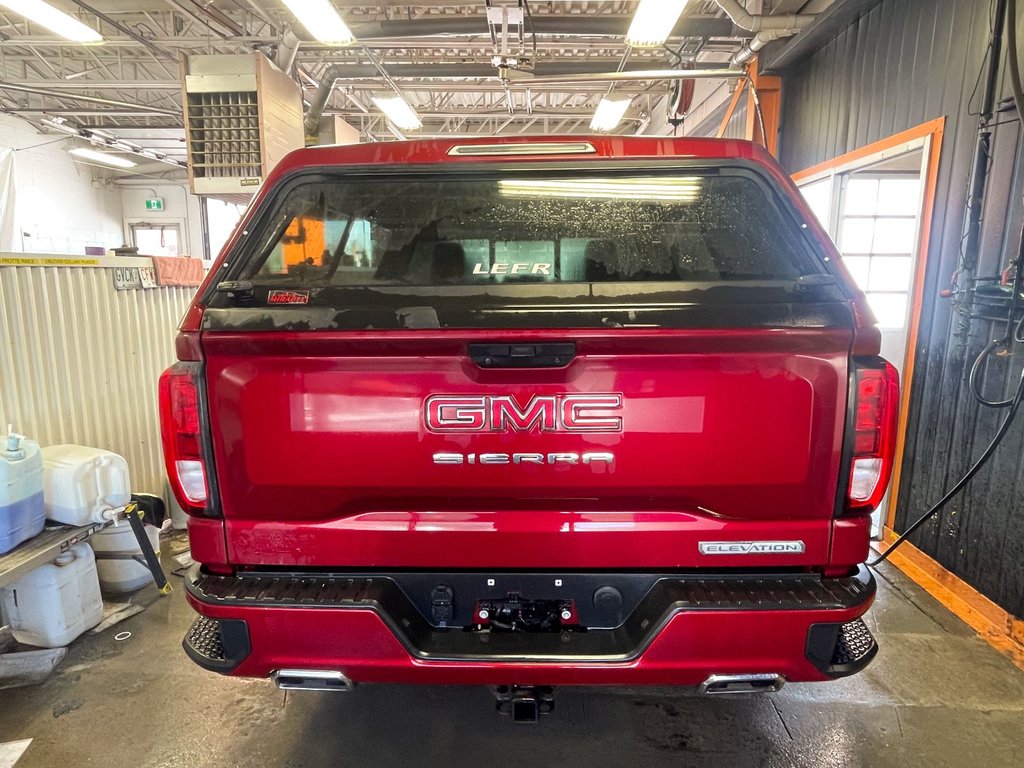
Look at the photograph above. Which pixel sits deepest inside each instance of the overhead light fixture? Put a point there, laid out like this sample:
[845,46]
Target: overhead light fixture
[398,111]
[106,140]
[609,113]
[58,22]
[102,157]
[322,20]
[653,22]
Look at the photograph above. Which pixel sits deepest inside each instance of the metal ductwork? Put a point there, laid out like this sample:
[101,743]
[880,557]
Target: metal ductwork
[287,51]
[765,28]
[755,23]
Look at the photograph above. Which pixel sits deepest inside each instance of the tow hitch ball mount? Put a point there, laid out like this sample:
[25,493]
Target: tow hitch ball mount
[525,703]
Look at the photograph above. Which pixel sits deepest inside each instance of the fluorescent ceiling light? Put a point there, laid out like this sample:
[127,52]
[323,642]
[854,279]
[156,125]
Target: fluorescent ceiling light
[102,157]
[683,189]
[653,22]
[609,114]
[58,22]
[321,20]
[398,112]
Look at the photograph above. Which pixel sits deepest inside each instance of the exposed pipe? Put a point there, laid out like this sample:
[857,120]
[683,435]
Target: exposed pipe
[756,43]
[287,51]
[765,28]
[983,145]
[578,26]
[318,101]
[89,99]
[756,23]
[636,74]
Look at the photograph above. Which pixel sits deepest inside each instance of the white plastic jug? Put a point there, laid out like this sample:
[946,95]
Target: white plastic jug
[179,520]
[83,485]
[55,603]
[118,575]
[21,491]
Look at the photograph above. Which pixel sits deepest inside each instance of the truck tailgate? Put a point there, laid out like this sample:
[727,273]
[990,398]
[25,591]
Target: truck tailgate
[327,454]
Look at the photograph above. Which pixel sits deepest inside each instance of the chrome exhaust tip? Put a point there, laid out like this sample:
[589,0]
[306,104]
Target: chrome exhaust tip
[717,685]
[311,680]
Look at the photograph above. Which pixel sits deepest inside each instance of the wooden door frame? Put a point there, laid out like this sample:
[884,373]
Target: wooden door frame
[929,137]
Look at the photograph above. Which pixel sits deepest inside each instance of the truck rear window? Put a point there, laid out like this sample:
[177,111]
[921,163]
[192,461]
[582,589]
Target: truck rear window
[715,225]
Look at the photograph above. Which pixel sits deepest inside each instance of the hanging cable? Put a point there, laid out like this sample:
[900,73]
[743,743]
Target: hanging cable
[757,108]
[972,379]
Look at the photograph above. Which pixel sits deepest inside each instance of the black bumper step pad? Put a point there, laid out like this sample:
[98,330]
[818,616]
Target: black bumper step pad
[840,650]
[382,594]
[205,639]
[854,644]
[734,593]
[219,645]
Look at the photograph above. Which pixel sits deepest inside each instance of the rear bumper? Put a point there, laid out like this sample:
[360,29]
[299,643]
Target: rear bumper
[684,630]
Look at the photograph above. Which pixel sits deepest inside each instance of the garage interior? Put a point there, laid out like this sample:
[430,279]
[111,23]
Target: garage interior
[897,120]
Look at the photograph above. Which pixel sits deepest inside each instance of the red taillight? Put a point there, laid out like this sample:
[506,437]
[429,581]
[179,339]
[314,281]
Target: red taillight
[180,426]
[876,410]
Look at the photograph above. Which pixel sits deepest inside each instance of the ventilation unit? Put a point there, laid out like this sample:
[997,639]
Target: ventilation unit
[242,115]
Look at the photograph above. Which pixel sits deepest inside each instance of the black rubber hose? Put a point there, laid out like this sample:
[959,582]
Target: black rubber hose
[985,456]
[972,378]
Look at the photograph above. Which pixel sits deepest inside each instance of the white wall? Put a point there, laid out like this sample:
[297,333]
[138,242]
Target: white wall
[180,207]
[60,206]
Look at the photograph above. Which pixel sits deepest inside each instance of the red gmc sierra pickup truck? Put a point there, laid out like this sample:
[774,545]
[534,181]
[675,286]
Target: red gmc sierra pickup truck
[530,412]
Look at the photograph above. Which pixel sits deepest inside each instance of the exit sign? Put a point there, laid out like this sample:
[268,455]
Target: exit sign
[155,204]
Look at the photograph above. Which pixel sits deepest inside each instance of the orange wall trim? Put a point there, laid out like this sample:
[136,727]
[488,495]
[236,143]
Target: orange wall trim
[1000,629]
[932,127]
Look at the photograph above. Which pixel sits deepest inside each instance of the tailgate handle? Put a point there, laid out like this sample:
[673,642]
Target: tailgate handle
[547,355]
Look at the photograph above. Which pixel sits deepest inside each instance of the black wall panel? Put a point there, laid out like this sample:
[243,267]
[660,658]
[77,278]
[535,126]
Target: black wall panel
[902,64]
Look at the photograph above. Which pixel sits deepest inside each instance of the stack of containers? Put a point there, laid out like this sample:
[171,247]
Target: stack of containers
[55,603]
[84,485]
[21,491]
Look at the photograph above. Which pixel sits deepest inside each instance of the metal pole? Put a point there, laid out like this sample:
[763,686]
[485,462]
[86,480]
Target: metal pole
[640,74]
[982,149]
[88,99]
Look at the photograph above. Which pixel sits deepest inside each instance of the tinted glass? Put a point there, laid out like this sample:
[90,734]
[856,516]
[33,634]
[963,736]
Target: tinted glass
[713,226]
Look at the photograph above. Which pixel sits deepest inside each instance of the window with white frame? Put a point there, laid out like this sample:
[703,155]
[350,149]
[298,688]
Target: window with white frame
[877,236]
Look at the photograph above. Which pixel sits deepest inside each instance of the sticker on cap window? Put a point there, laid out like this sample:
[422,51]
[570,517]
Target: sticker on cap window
[288,297]
[514,268]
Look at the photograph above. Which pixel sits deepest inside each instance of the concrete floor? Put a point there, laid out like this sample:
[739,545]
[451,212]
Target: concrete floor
[935,696]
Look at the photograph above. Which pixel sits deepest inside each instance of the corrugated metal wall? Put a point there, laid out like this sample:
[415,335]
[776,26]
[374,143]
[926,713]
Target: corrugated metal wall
[902,64]
[80,361]
[735,129]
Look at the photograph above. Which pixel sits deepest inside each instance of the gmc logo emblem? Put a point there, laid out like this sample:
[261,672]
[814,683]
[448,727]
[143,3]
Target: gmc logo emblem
[541,413]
